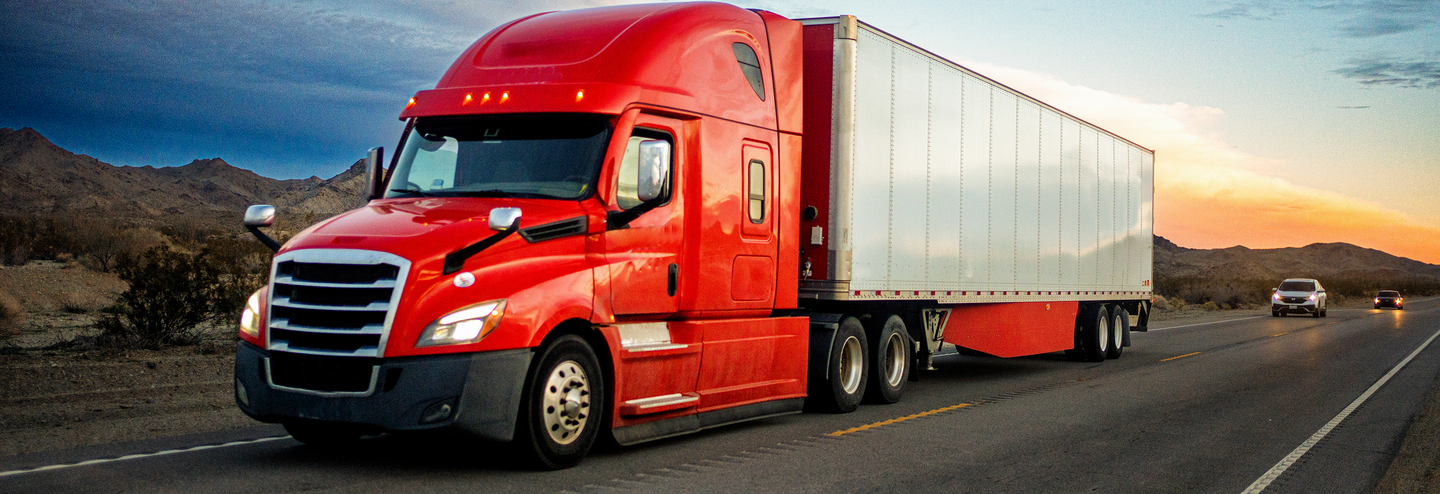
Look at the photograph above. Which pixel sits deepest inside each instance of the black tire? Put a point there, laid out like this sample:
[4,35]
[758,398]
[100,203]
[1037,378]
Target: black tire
[1094,334]
[889,362]
[1274,313]
[557,428]
[1119,327]
[323,434]
[1315,314]
[846,371]
[1325,312]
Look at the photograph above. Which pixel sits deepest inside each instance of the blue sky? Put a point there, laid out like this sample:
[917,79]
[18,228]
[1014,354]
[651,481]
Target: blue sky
[1338,101]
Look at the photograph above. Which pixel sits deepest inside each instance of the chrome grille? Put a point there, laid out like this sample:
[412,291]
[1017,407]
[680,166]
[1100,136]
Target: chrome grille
[334,302]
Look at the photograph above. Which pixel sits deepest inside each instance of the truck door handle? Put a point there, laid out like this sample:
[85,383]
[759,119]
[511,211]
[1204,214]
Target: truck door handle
[674,278]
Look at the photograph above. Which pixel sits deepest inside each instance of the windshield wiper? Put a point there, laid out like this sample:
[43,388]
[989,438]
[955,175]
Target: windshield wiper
[411,191]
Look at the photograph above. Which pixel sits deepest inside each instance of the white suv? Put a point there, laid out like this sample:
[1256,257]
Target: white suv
[1302,295]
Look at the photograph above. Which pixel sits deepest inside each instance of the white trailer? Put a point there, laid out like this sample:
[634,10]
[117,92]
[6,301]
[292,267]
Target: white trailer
[997,219]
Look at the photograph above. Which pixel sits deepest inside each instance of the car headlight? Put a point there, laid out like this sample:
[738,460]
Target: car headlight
[250,317]
[1312,297]
[467,325]
[1276,296]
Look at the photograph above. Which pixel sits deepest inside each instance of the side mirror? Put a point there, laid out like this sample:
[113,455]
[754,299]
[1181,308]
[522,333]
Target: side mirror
[654,170]
[375,172]
[502,218]
[261,215]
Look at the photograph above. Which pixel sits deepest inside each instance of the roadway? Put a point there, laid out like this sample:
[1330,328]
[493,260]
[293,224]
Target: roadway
[1210,407]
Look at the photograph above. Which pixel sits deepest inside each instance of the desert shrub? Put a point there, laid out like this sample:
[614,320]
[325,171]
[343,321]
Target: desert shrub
[17,239]
[1210,306]
[1159,302]
[1198,290]
[172,292]
[10,314]
[102,244]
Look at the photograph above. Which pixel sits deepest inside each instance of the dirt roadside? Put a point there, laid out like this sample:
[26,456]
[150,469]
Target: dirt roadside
[52,400]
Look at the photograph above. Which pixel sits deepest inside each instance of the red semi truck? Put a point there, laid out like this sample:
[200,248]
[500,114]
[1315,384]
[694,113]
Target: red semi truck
[650,220]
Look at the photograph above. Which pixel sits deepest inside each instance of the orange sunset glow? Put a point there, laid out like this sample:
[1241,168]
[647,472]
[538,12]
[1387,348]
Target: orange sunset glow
[1209,195]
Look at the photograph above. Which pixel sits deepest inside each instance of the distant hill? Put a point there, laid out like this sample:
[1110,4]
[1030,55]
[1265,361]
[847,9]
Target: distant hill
[1320,260]
[39,178]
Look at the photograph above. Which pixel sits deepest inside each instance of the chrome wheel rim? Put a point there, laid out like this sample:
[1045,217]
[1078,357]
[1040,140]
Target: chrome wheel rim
[566,402]
[1104,333]
[852,362]
[894,360]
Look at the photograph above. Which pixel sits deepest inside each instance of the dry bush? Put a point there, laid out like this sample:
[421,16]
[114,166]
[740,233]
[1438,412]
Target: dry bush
[11,313]
[1210,306]
[1159,302]
[102,244]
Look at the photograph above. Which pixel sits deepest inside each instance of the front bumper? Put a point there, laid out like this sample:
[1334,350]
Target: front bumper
[1386,303]
[482,391]
[1305,308]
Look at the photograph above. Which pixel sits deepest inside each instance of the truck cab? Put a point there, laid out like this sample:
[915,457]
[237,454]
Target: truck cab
[580,233]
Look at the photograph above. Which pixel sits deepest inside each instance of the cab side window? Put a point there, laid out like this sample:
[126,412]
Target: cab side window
[627,190]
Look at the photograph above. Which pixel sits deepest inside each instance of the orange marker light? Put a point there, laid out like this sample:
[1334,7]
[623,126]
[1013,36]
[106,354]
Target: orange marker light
[485,99]
[505,96]
[579,95]
[410,104]
[467,99]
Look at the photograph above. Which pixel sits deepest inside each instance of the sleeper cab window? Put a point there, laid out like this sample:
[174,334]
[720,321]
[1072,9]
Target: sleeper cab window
[756,202]
[627,193]
[750,66]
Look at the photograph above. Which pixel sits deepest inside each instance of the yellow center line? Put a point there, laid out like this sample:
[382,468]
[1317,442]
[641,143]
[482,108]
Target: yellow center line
[1182,356]
[1279,334]
[899,419]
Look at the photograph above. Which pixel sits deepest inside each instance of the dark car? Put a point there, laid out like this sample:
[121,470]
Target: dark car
[1389,298]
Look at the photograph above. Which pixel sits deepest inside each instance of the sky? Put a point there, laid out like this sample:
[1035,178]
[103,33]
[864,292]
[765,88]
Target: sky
[1275,123]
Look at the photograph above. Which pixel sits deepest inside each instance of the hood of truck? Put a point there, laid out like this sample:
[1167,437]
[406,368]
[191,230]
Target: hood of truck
[425,230]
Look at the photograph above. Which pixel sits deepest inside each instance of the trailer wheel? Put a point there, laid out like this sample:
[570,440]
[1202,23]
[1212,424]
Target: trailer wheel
[1119,326]
[322,434]
[1094,334]
[563,397]
[889,362]
[846,371]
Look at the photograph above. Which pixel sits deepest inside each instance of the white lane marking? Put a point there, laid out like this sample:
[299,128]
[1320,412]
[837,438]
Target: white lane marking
[1204,323]
[1294,456]
[143,455]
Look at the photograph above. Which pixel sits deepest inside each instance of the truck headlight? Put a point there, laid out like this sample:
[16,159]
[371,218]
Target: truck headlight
[467,325]
[250,317]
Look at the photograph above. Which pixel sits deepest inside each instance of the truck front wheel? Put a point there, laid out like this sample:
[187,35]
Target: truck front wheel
[889,362]
[564,397]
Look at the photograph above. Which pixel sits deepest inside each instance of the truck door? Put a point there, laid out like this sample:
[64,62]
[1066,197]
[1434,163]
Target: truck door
[644,256]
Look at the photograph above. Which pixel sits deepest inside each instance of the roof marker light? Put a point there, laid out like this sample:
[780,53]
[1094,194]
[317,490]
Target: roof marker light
[411,103]
[505,96]
[485,99]
[468,97]
[579,95]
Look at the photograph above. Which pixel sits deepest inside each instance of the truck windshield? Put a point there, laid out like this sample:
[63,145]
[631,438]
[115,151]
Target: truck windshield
[553,156]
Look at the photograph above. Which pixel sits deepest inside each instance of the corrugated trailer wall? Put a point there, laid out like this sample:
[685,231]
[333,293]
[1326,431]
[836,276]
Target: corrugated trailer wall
[949,186]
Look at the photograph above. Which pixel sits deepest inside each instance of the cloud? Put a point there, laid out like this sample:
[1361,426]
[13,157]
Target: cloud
[1376,18]
[1386,71]
[281,88]
[1255,10]
[1210,195]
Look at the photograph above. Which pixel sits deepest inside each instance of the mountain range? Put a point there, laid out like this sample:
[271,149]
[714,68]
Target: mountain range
[41,179]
